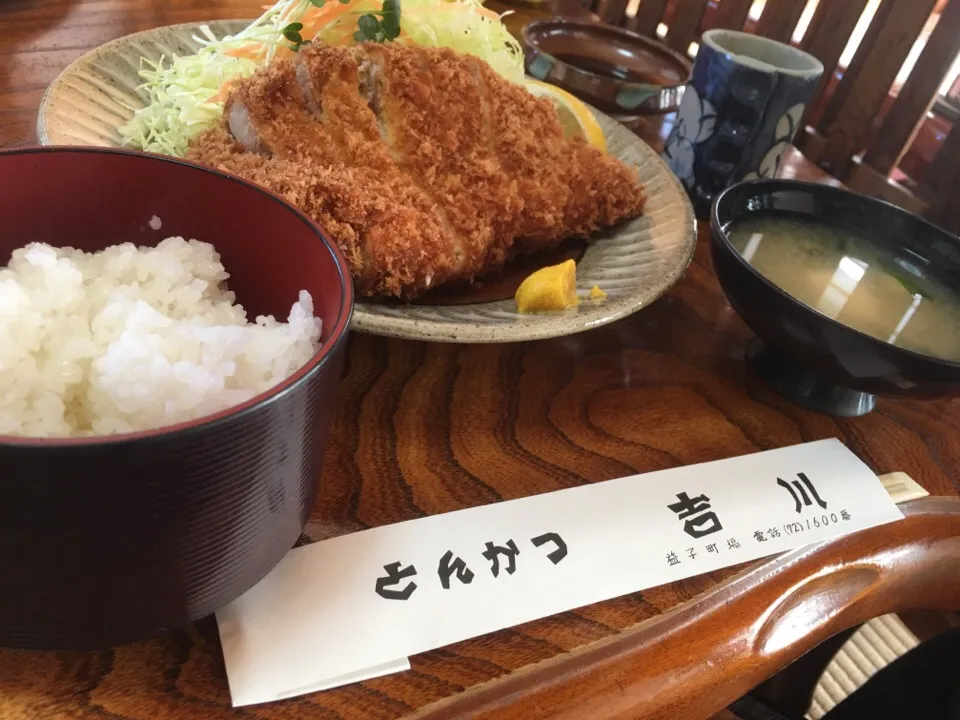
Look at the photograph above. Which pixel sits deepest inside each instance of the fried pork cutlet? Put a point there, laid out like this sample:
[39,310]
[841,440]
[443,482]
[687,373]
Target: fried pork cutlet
[424,165]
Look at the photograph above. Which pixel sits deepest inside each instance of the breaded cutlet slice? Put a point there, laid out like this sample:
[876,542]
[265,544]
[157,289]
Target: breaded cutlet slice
[431,109]
[529,144]
[569,188]
[398,240]
[344,91]
[268,114]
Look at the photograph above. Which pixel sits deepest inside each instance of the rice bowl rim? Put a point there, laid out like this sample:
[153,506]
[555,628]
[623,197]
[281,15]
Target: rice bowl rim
[206,422]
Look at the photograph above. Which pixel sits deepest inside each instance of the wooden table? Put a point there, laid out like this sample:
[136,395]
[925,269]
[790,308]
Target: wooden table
[663,388]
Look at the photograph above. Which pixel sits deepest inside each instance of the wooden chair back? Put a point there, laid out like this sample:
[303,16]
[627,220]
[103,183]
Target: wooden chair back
[854,131]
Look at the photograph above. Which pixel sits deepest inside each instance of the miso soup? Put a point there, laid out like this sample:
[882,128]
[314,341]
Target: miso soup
[845,277]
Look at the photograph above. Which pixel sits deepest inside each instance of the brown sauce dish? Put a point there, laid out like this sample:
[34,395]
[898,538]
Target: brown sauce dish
[619,72]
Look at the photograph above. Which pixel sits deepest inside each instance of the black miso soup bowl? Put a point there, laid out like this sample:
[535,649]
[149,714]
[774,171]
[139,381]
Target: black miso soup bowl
[808,357]
[106,540]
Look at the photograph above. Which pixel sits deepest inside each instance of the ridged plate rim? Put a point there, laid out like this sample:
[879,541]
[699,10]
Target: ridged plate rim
[668,228]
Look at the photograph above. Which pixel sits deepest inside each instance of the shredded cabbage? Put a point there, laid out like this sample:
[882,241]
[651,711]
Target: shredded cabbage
[463,25]
[185,96]
[180,105]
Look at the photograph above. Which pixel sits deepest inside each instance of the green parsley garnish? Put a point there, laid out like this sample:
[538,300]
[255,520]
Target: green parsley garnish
[379,29]
[292,33]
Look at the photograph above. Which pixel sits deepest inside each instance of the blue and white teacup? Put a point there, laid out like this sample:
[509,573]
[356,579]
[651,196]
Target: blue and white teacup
[740,112]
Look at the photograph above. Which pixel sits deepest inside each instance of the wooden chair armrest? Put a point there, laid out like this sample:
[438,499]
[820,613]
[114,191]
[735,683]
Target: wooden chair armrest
[701,657]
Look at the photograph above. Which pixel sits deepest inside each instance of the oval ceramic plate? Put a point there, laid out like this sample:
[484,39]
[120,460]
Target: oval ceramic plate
[634,264]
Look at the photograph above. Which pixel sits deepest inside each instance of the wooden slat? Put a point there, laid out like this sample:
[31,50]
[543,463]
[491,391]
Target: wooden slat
[685,25]
[732,14]
[868,44]
[942,183]
[850,115]
[649,16]
[830,29]
[918,93]
[829,32]
[612,11]
[780,18]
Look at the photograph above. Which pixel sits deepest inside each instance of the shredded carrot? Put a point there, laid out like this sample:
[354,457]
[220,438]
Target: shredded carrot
[222,93]
[251,51]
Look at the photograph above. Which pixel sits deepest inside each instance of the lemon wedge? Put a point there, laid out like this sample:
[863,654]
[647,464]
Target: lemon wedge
[575,117]
[549,289]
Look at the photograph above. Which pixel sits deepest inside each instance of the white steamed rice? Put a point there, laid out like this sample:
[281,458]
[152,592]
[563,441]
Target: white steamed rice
[133,338]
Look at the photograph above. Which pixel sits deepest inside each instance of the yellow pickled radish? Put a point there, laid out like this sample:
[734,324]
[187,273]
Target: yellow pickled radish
[549,289]
[597,294]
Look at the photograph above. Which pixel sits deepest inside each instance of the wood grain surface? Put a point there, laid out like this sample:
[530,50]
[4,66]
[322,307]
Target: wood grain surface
[427,428]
